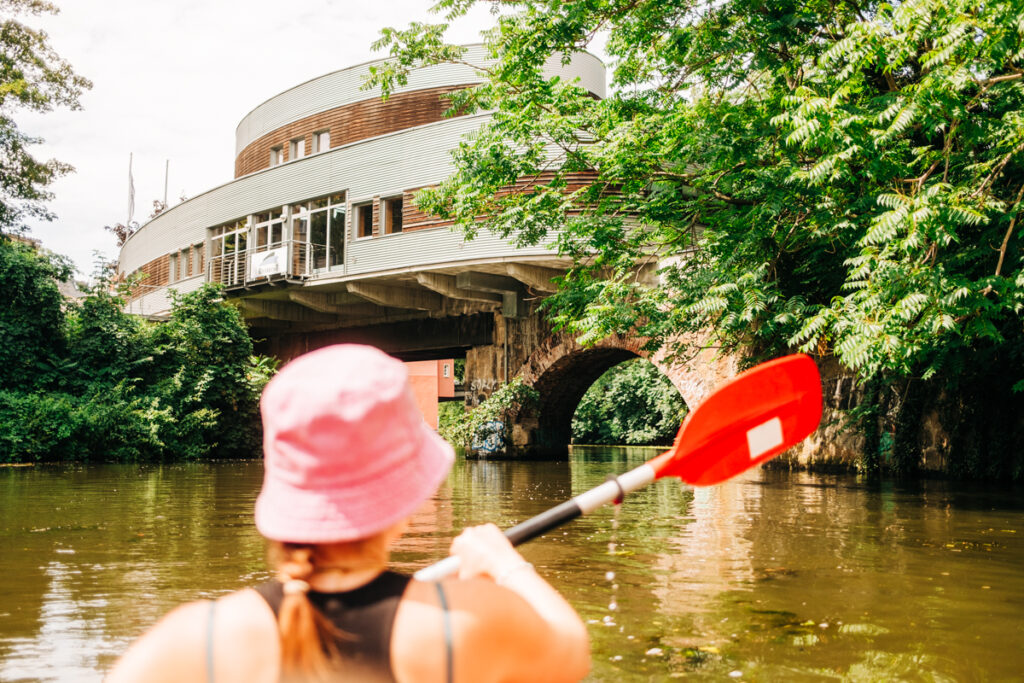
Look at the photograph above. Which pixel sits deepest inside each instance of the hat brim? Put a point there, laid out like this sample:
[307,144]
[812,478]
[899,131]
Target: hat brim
[294,515]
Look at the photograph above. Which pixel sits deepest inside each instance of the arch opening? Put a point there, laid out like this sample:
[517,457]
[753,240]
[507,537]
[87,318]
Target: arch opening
[632,404]
[563,385]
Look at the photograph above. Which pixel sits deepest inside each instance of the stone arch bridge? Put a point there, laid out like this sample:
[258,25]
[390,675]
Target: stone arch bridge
[499,347]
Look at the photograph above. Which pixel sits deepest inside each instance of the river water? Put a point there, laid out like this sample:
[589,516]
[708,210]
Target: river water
[773,576]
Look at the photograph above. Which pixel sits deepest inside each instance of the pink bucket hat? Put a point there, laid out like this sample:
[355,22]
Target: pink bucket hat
[346,451]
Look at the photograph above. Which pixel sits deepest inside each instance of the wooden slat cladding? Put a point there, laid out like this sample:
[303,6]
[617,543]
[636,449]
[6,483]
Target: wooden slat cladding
[413,219]
[574,181]
[157,274]
[350,123]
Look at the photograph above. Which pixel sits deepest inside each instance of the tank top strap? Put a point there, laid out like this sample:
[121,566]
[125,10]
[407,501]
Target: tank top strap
[364,618]
[448,645]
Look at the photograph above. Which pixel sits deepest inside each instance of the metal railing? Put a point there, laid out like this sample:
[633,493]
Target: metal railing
[288,259]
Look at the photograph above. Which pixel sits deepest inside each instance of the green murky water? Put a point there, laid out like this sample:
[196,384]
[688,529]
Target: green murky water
[770,577]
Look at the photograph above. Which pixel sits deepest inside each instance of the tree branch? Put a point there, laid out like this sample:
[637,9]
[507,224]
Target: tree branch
[1009,231]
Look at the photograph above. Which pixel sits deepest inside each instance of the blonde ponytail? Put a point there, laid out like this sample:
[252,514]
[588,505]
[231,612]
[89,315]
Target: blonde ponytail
[308,650]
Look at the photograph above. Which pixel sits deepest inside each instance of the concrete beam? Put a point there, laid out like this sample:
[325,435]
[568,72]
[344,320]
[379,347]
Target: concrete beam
[446,285]
[535,277]
[410,340]
[486,282]
[337,303]
[511,290]
[397,297]
[283,310]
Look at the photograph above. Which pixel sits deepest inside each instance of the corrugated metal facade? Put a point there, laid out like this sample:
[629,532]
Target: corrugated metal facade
[431,247]
[379,167]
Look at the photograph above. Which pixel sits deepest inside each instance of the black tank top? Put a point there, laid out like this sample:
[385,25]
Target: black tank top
[365,614]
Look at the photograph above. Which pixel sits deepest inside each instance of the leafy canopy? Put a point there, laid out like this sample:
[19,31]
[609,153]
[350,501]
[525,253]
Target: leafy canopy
[841,177]
[33,77]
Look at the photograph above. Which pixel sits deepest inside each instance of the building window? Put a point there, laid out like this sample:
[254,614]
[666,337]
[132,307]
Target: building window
[172,268]
[364,219]
[227,252]
[183,264]
[321,141]
[197,259]
[269,229]
[392,215]
[276,155]
[296,149]
[318,228]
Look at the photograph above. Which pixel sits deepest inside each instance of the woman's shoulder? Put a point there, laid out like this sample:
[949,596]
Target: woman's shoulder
[490,629]
[230,632]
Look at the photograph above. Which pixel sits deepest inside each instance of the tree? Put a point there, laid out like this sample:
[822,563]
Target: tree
[32,314]
[841,177]
[34,78]
[632,404]
[84,381]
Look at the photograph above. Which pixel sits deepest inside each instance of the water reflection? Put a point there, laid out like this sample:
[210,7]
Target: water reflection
[774,576]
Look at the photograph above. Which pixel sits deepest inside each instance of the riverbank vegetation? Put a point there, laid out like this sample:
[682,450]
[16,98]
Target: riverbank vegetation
[835,177]
[490,421]
[633,404]
[83,381]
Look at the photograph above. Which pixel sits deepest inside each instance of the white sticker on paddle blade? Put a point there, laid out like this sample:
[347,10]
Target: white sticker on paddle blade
[764,437]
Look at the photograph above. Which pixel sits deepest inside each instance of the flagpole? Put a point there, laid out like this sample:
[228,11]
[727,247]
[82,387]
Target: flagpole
[131,193]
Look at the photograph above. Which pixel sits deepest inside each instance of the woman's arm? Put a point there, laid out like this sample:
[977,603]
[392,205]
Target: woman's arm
[553,638]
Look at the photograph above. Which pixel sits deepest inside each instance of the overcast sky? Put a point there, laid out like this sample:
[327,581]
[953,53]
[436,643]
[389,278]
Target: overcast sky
[171,80]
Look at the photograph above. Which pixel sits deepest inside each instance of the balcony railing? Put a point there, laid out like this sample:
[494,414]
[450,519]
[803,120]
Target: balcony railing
[283,260]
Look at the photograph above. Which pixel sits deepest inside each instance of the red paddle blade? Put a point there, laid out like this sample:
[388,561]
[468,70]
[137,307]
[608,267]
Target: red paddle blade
[751,419]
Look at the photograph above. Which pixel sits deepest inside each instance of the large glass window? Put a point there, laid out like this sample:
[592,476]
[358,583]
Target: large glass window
[269,230]
[227,252]
[318,228]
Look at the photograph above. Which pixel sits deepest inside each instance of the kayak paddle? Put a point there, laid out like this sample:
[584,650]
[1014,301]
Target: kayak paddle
[747,421]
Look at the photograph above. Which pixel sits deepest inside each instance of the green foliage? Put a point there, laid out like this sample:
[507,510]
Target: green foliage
[504,404]
[449,414]
[632,404]
[833,176]
[92,383]
[33,78]
[31,314]
[837,177]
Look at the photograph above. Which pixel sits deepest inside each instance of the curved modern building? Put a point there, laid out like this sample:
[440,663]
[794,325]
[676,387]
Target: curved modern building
[318,230]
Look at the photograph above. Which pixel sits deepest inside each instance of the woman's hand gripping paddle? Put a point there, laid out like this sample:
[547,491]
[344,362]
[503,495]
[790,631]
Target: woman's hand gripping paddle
[745,422]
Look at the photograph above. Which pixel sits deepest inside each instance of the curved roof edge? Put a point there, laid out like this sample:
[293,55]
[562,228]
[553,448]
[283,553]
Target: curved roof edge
[263,118]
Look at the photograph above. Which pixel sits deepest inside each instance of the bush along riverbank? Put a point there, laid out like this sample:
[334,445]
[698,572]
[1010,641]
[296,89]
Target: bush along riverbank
[83,381]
